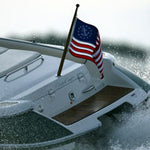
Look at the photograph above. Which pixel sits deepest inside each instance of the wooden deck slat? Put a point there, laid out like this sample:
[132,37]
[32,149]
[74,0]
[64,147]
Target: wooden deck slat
[93,104]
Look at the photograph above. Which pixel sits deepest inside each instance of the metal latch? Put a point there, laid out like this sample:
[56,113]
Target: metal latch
[71,97]
[88,89]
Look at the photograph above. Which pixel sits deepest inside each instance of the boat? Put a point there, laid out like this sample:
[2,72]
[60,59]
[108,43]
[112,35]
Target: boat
[39,108]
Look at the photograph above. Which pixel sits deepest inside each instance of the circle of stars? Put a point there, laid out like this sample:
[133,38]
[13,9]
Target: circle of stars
[84,32]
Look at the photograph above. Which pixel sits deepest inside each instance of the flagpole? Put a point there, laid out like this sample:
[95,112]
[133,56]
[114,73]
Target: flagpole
[67,42]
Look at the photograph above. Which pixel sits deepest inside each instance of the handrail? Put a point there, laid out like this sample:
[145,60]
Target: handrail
[25,67]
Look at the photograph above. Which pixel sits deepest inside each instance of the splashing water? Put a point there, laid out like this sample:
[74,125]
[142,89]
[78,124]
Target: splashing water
[138,66]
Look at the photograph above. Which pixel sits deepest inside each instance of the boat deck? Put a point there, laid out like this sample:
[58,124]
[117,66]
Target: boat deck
[103,98]
[29,128]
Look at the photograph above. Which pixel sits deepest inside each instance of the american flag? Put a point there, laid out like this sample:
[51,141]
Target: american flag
[85,43]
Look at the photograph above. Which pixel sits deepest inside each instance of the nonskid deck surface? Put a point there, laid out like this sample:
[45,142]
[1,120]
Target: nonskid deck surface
[103,98]
[29,128]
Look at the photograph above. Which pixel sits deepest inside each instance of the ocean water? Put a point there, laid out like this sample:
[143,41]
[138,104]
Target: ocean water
[130,130]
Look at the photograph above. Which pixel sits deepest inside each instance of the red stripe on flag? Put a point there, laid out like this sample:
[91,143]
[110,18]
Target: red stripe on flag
[99,60]
[99,53]
[80,50]
[83,45]
[80,55]
[101,65]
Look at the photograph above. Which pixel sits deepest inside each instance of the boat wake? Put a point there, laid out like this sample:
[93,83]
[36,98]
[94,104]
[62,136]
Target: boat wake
[130,131]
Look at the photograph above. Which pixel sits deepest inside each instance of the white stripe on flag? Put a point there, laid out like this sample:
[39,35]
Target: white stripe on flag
[98,57]
[78,47]
[85,43]
[80,53]
[100,63]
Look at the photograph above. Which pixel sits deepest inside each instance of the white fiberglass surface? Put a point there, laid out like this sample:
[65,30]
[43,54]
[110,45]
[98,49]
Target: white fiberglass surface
[47,69]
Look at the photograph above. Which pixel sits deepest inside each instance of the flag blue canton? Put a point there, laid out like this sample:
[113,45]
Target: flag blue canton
[85,32]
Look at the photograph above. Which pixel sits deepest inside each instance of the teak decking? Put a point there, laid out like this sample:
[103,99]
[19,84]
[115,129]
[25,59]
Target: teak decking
[93,104]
